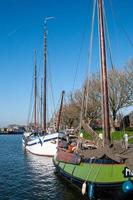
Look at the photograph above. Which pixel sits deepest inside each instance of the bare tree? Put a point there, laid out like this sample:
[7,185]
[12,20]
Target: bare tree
[93,98]
[120,96]
[70,115]
[120,90]
[91,105]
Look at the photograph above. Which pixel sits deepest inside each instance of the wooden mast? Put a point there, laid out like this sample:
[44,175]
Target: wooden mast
[35,90]
[61,106]
[45,74]
[105,103]
[45,78]
[41,126]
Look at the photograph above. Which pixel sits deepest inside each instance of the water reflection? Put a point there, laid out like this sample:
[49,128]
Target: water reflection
[30,177]
[39,165]
[43,176]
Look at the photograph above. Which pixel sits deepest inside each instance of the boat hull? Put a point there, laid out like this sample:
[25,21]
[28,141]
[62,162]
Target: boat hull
[43,145]
[107,179]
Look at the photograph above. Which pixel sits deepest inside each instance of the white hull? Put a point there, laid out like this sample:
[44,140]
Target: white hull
[43,145]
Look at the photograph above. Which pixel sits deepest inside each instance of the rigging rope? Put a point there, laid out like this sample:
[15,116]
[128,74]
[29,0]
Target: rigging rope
[76,71]
[108,38]
[53,119]
[121,25]
[30,104]
[81,112]
[50,84]
[90,56]
[79,56]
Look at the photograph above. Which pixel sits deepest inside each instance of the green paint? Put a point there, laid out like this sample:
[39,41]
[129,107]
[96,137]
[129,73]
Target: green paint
[69,168]
[97,173]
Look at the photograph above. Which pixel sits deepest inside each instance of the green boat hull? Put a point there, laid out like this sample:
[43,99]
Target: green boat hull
[107,179]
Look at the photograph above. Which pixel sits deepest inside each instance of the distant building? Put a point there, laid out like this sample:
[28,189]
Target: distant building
[131,120]
[128,120]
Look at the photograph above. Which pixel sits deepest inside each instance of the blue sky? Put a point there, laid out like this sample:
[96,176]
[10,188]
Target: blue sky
[21,32]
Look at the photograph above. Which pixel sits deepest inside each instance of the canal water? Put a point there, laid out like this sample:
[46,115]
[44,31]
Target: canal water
[24,176]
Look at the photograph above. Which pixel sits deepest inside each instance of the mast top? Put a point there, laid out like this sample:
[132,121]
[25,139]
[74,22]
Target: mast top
[47,19]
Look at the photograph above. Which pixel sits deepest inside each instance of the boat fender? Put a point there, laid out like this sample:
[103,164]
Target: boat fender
[91,191]
[127,186]
[84,188]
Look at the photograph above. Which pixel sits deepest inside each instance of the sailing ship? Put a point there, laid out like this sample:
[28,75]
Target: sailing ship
[37,141]
[107,169]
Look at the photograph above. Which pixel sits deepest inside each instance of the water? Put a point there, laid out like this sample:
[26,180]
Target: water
[24,176]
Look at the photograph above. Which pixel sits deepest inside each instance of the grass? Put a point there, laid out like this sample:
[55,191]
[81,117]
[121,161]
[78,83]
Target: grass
[86,135]
[116,135]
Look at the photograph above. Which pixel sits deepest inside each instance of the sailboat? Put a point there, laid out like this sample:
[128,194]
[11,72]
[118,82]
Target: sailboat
[107,169]
[39,142]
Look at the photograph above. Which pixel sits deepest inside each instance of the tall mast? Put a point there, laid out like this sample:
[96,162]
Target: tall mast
[41,104]
[45,78]
[45,73]
[35,89]
[105,103]
[61,106]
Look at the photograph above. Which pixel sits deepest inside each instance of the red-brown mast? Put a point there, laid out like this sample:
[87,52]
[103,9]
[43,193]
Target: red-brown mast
[105,103]
[61,106]
[45,78]
[41,126]
[45,74]
[35,90]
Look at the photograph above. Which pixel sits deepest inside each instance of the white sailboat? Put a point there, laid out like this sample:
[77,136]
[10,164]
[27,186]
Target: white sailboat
[45,145]
[42,143]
